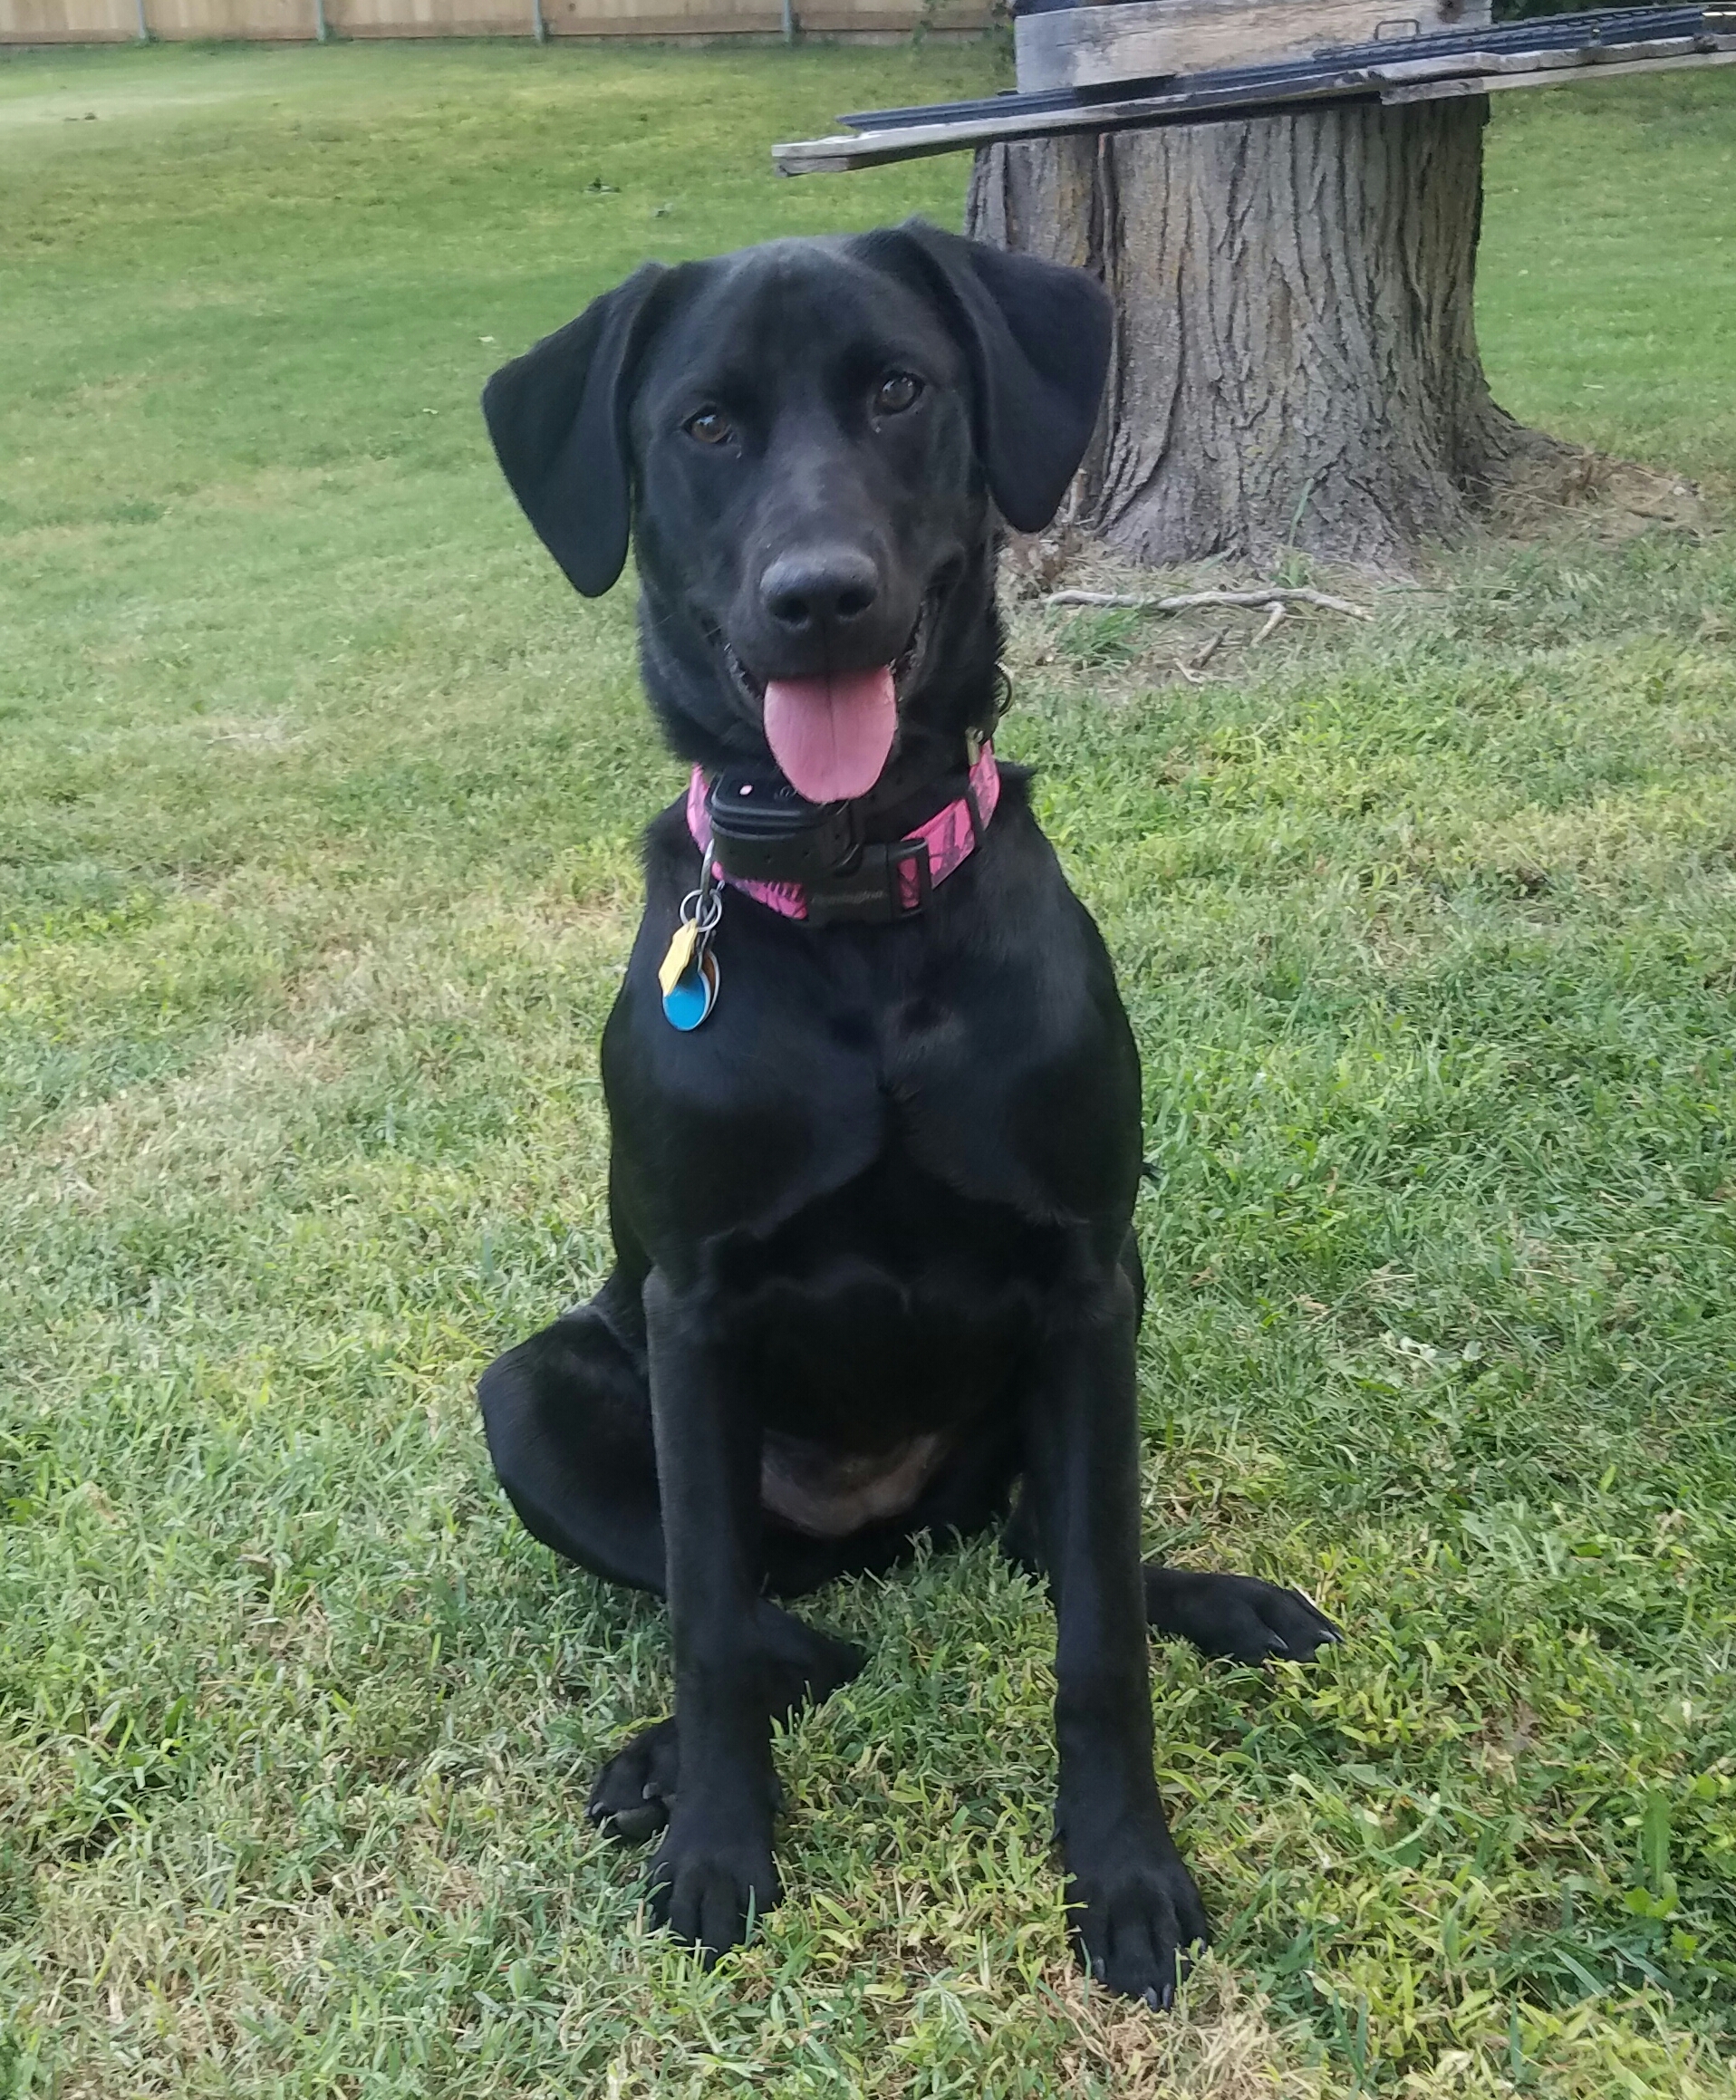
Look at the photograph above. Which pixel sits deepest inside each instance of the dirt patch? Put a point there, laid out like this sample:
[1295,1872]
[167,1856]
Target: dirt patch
[1591,493]
[1552,492]
[1220,2044]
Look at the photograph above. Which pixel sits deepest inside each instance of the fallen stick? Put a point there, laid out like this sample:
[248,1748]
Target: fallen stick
[1190,671]
[1272,620]
[1189,600]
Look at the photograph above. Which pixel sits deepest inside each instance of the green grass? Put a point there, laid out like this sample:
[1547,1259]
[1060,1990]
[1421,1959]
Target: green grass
[317,856]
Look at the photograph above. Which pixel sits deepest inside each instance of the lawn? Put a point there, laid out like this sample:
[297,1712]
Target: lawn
[317,875]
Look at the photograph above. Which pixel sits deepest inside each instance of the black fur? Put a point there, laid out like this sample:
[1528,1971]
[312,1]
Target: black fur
[873,1221]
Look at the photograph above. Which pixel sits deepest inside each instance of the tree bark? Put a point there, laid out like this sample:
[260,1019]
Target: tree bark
[1295,359]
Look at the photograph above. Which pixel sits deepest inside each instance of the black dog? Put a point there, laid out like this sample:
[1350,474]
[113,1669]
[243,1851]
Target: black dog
[875,1266]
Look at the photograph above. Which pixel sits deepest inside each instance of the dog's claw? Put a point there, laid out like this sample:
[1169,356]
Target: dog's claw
[1137,1917]
[711,1895]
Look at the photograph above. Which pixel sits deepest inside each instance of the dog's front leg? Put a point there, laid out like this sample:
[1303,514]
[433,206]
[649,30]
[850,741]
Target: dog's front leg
[713,1871]
[1136,1907]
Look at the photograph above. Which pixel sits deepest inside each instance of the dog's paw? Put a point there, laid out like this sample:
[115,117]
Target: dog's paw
[1136,1915]
[635,1790]
[1238,1616]
[708,1890]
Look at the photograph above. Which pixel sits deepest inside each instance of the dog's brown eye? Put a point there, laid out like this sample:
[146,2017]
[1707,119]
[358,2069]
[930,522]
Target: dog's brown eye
[710,427]
[896,392]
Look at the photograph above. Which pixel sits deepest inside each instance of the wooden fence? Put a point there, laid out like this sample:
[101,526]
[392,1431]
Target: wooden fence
[303,21]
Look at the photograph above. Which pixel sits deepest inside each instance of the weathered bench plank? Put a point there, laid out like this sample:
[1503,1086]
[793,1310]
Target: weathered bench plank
[1084,47]
[1547,52]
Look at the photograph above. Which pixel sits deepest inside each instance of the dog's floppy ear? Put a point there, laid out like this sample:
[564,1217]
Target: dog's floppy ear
[557,416]
[1037,336]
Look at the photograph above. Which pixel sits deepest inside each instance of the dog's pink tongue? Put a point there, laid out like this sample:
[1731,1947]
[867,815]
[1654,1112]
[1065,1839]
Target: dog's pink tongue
[830,735]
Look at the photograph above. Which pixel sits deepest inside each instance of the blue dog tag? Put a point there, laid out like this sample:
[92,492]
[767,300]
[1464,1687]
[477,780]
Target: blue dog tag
[694,993]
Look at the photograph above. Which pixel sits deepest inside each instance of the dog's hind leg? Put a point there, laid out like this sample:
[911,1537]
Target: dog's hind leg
[1238,1616]
[635,1789]
[568,1416]
[1233,1615]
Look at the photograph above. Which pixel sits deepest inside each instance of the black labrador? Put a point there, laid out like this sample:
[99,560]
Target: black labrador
[875,1104]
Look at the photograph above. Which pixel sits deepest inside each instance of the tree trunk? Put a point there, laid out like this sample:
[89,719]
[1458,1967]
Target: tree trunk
[1296,360]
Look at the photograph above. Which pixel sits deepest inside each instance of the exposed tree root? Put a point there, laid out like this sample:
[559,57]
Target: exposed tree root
[1189,601]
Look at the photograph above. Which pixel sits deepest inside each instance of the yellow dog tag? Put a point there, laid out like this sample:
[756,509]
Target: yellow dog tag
[674,965]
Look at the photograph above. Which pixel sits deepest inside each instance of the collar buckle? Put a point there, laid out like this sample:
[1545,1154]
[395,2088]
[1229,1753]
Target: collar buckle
[885,884]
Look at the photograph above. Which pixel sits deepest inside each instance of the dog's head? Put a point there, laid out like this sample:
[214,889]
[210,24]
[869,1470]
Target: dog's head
[808,442]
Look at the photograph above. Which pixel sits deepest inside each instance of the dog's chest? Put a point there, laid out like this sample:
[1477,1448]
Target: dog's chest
[877,1323]
[985,1042]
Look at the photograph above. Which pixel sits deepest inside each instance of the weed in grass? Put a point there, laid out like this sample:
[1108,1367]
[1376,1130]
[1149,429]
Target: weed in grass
[1092,640]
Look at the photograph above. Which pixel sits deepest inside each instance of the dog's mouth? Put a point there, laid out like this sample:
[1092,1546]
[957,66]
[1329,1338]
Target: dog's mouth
[832,734]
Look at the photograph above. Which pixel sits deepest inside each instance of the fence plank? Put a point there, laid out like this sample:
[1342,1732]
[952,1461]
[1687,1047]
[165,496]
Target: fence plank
[69,22]
[257,21]
[757,17]
[283,21]
[372,18]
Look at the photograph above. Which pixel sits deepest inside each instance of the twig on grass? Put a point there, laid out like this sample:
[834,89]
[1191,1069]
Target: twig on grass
[1190,671]
[1189,600]
[1272,619]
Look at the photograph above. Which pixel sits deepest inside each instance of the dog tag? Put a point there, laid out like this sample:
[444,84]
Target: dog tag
[687,974]
[679,957]
[694,993]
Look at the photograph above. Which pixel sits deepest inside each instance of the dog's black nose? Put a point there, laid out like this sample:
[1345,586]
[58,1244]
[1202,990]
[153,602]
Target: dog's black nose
[823,589]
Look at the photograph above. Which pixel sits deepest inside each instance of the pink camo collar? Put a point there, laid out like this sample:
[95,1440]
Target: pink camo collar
[950,835]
